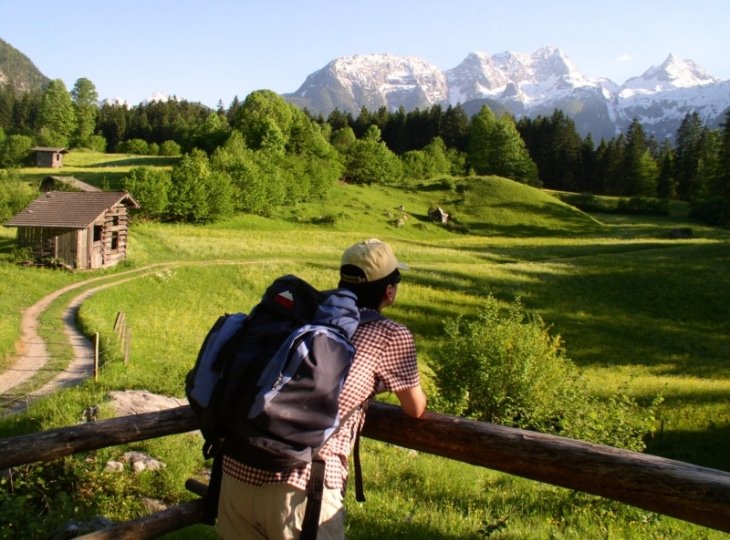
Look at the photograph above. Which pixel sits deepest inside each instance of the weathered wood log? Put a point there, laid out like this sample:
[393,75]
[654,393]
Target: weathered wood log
[196,486]
[56,443]
[154,525]
[682,490]
[689,492]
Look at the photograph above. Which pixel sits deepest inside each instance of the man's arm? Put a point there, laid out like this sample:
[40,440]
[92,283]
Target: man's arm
[412,401]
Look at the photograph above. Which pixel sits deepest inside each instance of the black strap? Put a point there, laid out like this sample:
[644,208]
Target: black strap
[210,504]
[359,489]
[315,491]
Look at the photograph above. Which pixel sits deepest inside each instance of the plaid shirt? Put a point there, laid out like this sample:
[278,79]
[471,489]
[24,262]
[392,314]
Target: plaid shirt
[385,361]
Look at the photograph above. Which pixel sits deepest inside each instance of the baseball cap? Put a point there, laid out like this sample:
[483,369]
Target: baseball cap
[373,257]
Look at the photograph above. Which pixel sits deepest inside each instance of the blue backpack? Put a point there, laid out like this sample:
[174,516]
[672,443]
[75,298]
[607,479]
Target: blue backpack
[266,385]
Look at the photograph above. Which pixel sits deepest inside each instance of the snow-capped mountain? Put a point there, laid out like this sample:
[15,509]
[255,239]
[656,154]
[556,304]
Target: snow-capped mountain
[525,78]
[523,84]
[372,81]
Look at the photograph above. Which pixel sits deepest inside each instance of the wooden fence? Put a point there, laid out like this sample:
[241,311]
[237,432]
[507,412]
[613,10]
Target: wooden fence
[696,494]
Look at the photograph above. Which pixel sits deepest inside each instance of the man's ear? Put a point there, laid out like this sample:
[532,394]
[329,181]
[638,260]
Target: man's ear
[390,292]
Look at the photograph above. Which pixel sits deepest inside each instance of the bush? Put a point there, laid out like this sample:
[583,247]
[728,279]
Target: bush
[504,367]
[134,146]
[14,195]
[170,148]
[643,205]
[15,150]
[714,211]
[97,143]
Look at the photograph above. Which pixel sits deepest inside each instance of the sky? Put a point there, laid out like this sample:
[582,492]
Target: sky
[214,50]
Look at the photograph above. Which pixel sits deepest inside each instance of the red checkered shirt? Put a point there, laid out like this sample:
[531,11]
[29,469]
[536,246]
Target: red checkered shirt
[385,361]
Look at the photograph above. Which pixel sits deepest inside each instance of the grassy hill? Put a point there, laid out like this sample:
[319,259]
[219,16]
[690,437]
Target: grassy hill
[637,309]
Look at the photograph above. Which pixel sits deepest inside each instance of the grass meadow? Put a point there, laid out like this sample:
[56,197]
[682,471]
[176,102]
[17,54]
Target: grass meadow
[637,310]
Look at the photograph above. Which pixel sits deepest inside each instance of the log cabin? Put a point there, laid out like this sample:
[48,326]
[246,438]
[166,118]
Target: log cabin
[80,230]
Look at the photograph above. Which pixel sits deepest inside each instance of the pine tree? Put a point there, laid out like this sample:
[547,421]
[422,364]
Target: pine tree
[481,141]
[112,122]
[496,147]
[666,182]
[454,128]
[721,185]
[637,171]
[556,148]
[688,153]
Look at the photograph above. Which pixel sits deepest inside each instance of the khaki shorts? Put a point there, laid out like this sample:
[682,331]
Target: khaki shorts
[274,512]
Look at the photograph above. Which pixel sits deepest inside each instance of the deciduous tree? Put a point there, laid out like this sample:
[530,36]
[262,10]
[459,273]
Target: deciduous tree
[56,114]
[84,96]
[370,161]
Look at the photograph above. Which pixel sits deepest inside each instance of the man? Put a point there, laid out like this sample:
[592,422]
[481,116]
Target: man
[256,504]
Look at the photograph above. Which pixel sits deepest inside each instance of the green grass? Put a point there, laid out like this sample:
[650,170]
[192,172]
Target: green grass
[636,309]
[96,168]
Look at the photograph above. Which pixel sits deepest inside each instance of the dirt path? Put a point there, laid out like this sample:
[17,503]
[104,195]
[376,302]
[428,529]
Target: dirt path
[34,354]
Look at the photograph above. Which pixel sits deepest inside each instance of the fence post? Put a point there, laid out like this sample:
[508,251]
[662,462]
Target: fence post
[119,323]
[127,341]
[96,356]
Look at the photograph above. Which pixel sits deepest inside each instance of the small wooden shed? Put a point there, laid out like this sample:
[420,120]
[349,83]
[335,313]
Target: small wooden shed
[65,183]
[437,214]
[46,156]
[82,230]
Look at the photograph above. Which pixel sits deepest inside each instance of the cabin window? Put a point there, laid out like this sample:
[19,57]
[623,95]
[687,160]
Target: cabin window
[115,221]
[97,233]
[115,241]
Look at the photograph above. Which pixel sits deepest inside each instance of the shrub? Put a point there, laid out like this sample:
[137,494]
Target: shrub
[14,195]
[170,148]
[713,211]
[97,143]
[505,367]
[134,146]
[643,205]
[15,150]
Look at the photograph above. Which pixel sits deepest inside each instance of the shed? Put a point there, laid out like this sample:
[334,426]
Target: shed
[437,214]
[65,183]
[46,156]
[83,229]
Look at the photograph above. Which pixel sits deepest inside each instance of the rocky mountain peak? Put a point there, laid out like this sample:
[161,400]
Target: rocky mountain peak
[673,73]
[522,84]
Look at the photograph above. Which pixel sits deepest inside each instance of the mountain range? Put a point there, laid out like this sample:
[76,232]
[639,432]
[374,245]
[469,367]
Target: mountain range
[523,85]
[518,83]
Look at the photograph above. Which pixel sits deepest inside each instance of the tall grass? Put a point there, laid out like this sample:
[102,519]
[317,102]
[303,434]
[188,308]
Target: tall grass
[636,309]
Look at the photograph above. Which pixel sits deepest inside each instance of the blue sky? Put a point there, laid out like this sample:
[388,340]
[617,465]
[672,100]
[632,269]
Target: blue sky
[216,49]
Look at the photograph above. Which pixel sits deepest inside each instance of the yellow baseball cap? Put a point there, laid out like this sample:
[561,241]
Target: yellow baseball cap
[373,257]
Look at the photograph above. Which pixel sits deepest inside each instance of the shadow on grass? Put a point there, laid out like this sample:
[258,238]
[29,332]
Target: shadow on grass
[650,305]
[706,448]
[150,161]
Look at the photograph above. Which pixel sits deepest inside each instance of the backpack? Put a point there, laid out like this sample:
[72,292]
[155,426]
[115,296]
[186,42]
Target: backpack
[266,385]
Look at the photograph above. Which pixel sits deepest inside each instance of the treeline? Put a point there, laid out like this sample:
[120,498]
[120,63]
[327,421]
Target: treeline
[267,152]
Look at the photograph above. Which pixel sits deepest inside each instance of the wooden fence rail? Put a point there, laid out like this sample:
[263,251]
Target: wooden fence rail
[696,494]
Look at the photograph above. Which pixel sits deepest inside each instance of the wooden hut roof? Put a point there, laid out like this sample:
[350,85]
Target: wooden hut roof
[69,182]
[69,209]
[49,149]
